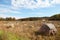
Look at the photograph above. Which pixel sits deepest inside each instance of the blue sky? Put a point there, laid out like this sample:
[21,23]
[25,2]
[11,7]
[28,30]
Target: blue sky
[29,8]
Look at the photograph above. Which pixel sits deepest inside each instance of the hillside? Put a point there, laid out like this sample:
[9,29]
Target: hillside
[53,17]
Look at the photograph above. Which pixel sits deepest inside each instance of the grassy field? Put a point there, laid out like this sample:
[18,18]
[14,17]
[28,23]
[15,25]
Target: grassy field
[25,30]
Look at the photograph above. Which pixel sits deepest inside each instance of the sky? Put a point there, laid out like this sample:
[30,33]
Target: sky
[29,8]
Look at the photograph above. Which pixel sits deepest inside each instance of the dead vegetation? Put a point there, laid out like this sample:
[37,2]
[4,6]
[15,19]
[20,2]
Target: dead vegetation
[28,29]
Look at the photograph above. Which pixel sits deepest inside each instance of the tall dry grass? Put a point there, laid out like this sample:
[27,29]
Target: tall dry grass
[26,29]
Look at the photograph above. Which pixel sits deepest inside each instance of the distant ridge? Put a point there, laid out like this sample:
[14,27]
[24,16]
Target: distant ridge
[53,17]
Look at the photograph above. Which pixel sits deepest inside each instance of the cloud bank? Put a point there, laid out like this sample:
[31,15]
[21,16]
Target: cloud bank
[32,4]
[12,8]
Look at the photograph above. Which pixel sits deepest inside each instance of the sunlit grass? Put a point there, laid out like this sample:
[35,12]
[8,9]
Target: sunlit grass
[10,36]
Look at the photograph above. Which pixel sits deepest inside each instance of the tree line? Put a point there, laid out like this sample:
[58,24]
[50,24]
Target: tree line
[7,19]
[53,17]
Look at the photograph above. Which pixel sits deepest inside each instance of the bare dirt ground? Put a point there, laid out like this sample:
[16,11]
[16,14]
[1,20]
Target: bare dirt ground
[27,29]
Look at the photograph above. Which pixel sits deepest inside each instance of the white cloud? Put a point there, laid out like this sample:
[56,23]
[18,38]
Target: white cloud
[5,13]
[4,16]
[6,10]
[57,1]
[31,4]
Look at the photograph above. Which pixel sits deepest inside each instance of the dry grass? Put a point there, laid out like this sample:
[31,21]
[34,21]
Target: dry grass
[28,28]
